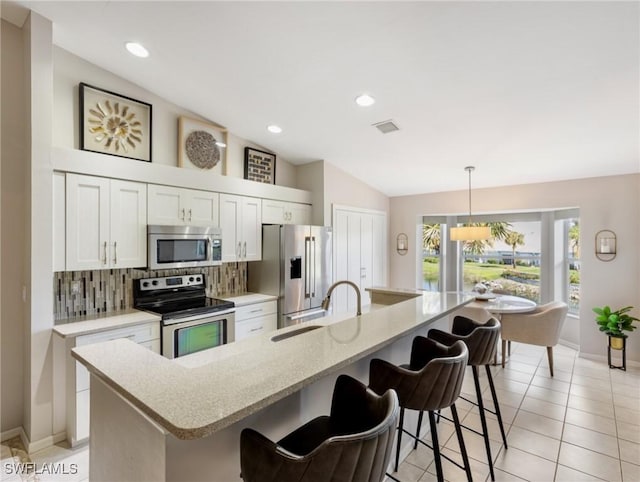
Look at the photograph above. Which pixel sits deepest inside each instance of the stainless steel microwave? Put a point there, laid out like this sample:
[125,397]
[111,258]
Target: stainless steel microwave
[172,247]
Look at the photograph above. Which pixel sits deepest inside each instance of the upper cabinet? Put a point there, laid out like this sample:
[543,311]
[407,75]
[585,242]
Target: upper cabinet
[281,212]
[241,224]
[106,223]
[178,206]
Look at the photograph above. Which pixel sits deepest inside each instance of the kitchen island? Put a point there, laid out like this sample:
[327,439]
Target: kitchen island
[158,419]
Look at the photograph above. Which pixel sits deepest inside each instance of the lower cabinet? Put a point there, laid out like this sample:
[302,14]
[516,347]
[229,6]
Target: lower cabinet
[256,318]
[146,334]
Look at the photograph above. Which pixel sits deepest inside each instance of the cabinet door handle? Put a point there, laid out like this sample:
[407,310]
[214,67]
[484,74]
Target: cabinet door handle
[189,215]
[104,258]
[239,250]
[115,253]
[244,251]
[182,217]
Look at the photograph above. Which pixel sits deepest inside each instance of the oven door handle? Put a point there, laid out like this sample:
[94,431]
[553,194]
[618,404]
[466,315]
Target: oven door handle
[201,316]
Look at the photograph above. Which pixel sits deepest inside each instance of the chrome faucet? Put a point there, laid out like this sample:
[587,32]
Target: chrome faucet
[327,299]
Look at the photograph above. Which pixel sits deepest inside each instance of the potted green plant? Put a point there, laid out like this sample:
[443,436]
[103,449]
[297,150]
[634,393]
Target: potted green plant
[613,324]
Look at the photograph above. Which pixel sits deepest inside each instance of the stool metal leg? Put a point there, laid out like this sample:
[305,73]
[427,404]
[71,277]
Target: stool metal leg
[399,442]
[436,446]
[496,406]
[463,448]
[483,419]
[415,443]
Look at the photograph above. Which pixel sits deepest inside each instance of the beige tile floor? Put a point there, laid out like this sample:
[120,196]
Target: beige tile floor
[582,424]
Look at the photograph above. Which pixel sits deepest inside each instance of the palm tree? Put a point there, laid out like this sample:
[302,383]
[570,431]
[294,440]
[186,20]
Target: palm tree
[499,231]
[574,238]
[431,237]
[514,239]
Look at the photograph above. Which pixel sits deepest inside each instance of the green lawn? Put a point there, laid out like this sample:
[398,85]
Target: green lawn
[478,271]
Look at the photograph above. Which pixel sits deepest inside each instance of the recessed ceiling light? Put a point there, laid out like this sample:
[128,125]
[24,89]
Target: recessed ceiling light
[274,129]
[137,49]
[365,100]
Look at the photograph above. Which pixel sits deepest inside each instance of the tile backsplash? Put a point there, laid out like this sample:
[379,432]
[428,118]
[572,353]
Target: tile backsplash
[81,293]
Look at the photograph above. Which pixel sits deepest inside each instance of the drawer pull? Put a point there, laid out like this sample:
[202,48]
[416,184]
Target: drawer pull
[256,311]
[256,329]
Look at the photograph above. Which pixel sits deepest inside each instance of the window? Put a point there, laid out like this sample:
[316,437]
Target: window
[572,296]
[509,262]
[534,255]
[431,256]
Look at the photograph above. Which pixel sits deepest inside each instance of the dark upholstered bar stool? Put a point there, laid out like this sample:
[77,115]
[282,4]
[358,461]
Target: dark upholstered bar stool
[431,381]
[481,340]
[353,444]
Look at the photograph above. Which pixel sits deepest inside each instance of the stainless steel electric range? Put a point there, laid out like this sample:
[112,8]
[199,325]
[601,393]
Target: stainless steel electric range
[191,321]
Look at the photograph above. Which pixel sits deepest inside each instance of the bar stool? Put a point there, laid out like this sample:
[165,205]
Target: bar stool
[352,444]
[431,381]
[481,340]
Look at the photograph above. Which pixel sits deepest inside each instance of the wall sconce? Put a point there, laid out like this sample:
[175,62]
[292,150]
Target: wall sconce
[606,245]
[402,244]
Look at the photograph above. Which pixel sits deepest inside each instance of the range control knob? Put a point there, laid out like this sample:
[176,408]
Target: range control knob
[191,279]
[145,284]
[198,279]
[154,282]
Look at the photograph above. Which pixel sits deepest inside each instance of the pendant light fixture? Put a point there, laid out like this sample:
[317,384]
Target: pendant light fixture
[469,232]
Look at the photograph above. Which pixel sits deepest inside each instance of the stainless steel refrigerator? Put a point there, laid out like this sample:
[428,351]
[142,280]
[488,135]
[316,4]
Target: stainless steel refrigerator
[295,267]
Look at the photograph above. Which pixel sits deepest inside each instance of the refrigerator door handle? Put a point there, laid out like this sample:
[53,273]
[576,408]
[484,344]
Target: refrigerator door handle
[313,262]
[307,252]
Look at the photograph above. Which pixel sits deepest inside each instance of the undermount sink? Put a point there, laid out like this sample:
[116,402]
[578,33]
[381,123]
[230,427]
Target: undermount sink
[291,333]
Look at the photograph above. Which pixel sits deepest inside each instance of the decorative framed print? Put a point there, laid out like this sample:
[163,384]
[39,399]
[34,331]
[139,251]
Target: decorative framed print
[202,145]
[113,124]
[259,165]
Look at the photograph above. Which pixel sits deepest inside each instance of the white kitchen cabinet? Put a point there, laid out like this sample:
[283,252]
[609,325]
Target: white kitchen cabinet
[174,206]
[256,318]
[145,334]
[106,223]
[359,254]
[281,212]
[241,225]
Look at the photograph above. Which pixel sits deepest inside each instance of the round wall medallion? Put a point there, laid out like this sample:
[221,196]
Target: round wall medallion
[202,150]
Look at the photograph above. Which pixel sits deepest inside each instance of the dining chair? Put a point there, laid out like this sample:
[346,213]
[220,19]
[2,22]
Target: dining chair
[540,327]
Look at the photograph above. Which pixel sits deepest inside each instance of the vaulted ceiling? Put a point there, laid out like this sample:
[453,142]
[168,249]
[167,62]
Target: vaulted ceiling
[525,91]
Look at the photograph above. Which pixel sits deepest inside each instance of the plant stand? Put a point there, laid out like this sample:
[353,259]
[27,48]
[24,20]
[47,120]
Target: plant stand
[617,343]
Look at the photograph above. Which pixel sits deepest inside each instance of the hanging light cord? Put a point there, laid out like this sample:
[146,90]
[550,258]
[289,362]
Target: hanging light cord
[469,169]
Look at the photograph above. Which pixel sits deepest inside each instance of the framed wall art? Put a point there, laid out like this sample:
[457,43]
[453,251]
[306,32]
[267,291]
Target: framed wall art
[114,124]
[259,165]
[202,145]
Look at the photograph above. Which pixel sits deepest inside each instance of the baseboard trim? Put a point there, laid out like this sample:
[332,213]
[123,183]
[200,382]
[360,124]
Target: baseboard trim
[45,442]
[603,359]
[8,434]
[574,346]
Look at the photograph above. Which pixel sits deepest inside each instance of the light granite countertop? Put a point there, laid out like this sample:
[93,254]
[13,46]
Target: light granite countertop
[199,394]
[107,321]
[248,298]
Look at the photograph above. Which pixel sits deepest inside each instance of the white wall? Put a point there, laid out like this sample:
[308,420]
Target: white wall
[70,70]
[12,227]
[343,188]
[605,203]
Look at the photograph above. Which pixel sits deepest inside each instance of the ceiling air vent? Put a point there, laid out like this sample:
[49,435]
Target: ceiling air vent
[386,126]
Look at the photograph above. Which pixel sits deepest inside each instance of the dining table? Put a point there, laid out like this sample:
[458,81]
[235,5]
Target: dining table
[498,304]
